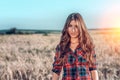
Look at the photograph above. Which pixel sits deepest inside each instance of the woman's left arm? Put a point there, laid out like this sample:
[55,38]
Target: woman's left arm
[93,68]
[94,75]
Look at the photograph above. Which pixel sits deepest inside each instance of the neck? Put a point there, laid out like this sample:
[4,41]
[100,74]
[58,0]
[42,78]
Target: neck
[74,40]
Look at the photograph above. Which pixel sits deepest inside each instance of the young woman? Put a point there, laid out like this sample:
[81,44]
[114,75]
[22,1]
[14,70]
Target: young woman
[75,52]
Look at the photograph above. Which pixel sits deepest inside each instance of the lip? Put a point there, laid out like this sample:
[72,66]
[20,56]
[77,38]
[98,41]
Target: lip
[73,33]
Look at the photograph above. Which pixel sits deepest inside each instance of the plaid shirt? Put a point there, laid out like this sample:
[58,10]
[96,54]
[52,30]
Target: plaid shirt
[75,66]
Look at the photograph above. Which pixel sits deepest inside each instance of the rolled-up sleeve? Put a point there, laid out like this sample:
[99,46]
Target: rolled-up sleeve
[94,65]
[57,65]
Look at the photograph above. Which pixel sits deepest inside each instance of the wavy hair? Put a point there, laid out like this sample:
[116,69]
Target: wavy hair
[85,39]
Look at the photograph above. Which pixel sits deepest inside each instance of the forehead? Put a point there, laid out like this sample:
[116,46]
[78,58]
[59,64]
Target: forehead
[73,22]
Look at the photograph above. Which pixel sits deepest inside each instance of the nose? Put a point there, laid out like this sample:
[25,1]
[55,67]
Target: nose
[73,29]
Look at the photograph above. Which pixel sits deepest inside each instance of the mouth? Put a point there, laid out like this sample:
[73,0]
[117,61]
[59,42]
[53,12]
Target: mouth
[73,33]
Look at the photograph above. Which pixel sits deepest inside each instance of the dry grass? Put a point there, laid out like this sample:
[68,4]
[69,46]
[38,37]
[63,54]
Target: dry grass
[30,57]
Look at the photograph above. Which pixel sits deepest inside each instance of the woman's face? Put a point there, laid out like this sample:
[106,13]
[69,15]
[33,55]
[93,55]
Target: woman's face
[73,29]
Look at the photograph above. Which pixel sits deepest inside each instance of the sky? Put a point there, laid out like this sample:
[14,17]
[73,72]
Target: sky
[52,14]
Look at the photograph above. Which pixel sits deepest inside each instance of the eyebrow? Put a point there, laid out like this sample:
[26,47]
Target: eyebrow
[74,25]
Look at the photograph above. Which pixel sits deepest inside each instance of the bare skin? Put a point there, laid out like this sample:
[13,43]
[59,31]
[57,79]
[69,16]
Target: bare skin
[55,76]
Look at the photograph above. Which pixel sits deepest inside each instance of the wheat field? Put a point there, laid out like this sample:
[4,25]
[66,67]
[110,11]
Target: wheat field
[30,57]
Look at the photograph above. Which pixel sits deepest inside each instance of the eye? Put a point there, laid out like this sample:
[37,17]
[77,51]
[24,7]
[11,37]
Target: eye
[76,26]
[70,26]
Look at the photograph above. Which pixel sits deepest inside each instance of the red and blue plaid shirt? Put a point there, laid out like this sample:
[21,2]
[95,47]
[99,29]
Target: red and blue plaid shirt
[75,66]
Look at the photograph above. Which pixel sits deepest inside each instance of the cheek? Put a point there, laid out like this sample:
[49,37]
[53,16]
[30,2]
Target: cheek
[69,31]
[77,31]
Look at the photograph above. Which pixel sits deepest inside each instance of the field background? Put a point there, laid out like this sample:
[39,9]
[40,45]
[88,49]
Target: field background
[30,57]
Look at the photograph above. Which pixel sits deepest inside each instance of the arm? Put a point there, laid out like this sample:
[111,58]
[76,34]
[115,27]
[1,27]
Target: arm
[93,68]
[55,76]
[94,75]
[57,65]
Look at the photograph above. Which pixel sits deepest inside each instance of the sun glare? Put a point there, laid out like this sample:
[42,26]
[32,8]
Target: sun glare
[111,17]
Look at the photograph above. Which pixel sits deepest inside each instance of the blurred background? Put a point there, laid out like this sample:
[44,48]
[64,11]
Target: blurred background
[31,29]
[38,14]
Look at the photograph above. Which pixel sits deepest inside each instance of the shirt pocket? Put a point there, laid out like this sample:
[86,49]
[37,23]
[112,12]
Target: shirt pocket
[71,59]
[81,56]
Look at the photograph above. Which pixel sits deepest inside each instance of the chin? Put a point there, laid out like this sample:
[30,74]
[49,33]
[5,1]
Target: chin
[74,36]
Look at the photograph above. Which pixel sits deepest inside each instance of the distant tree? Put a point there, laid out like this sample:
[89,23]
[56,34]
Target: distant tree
[45,34]
[11,31]
[20,32]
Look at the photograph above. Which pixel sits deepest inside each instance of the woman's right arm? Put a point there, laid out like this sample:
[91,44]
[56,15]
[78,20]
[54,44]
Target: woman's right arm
[57,65]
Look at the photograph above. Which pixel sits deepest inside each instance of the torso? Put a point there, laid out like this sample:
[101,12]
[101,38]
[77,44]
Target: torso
[75,67]
[73,46]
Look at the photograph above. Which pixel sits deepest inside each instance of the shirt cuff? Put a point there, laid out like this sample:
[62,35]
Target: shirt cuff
[56,71]
[91,69]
